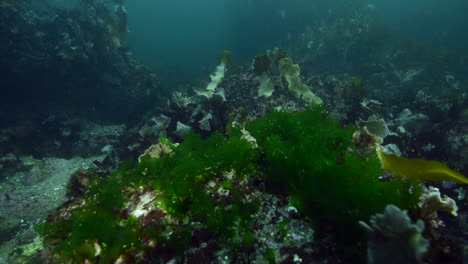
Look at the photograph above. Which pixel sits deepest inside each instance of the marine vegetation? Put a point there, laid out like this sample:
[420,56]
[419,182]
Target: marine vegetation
[261,64]
[308,157]
[217,77]
[149,207]
[419,169]
[292,74]
[157,207]
[358,87]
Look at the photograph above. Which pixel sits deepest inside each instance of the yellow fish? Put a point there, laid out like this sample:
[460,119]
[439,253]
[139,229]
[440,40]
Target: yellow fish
[419,169]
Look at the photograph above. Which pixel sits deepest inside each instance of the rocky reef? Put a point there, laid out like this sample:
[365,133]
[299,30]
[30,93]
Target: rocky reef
[278,161]
[66,59]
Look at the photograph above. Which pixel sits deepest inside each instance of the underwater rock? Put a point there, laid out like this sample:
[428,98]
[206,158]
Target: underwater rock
[457,139]
[25,206]
[8,226]
[70,58]
[28,248]
[281,236]
[8,163]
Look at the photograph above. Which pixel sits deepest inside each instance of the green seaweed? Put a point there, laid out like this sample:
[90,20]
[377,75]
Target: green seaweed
[94,223]
[181,177]
[306,156]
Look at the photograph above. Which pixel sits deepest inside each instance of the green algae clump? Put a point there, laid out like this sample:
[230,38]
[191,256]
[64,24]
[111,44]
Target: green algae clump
[209,186]
[310,158]
[109,223]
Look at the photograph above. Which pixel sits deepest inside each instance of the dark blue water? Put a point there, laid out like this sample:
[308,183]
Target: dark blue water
[180,39]
[437,23]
